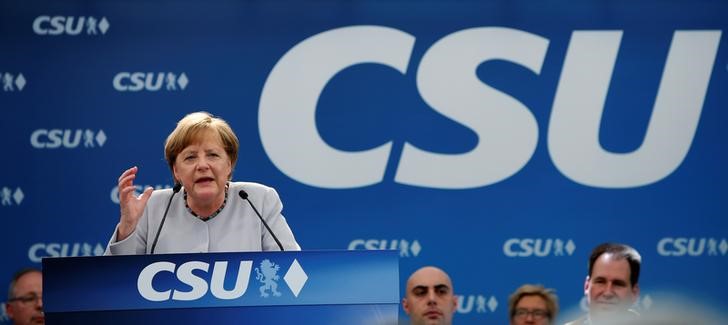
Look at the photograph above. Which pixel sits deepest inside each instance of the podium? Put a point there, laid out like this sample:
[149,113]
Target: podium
[314,287]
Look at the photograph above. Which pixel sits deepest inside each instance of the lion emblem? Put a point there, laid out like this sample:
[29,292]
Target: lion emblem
[267,275]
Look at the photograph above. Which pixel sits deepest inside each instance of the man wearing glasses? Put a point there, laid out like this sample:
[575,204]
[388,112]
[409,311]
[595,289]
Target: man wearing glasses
[25,298]
[533,305]
[429,299]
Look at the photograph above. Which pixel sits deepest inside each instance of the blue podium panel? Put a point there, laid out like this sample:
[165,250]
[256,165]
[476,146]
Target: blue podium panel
[384,314]
[325,287]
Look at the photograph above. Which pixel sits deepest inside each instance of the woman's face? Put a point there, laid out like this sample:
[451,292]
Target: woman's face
[203,168]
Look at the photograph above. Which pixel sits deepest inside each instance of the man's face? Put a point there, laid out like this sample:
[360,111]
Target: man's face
[26,305]
[531,310]
[609,289]
[429,299]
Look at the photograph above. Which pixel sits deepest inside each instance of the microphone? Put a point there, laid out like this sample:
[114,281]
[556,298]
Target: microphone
[244,196]
[175,189]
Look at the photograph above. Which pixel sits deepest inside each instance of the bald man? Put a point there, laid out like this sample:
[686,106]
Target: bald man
[429,299]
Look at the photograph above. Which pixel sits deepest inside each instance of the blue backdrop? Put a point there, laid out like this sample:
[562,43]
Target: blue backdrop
[499,140]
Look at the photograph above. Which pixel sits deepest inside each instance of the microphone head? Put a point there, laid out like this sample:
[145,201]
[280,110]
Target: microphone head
[243,194]
[176,188]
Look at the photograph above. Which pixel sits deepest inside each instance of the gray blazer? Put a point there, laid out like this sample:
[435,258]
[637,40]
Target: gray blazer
[235,229]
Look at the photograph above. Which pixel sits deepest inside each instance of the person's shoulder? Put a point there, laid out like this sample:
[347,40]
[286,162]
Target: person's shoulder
[161,194]
[249,187]
[579,321]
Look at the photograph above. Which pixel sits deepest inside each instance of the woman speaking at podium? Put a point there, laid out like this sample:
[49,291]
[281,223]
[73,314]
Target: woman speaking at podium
[205,211]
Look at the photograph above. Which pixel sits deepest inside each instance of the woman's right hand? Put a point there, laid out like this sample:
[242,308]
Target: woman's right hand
[132,207]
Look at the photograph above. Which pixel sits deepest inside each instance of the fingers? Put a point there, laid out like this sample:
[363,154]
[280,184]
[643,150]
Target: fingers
[127,178]
[126,190]
[130,171]
[128,193]
[126,184]
[127,181]
[146,195]
[132,207]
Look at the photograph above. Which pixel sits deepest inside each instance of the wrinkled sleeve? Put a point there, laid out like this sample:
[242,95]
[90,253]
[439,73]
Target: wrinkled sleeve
[135,244]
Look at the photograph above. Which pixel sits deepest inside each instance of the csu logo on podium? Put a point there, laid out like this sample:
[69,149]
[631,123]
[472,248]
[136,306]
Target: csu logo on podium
[268,277]
[190,275]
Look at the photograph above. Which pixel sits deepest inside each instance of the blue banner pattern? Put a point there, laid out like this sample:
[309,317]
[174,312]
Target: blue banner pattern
[499,140]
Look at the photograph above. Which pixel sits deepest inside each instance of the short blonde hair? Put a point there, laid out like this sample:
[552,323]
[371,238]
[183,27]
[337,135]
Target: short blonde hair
[548,295]
[191,128]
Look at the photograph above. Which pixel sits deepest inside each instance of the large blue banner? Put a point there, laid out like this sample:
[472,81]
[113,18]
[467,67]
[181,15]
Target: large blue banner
[499,140]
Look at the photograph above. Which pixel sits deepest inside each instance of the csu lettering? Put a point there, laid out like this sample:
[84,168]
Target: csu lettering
[524,247]
[56,138]
[199,285]
[508,131]
[406,247]
[150,81]
[40,250]
[57,25]
[682,246]
[373,244]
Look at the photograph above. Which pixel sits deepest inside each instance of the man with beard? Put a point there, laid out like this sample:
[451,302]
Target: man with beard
[611,286]
[429,299]
[25,298]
